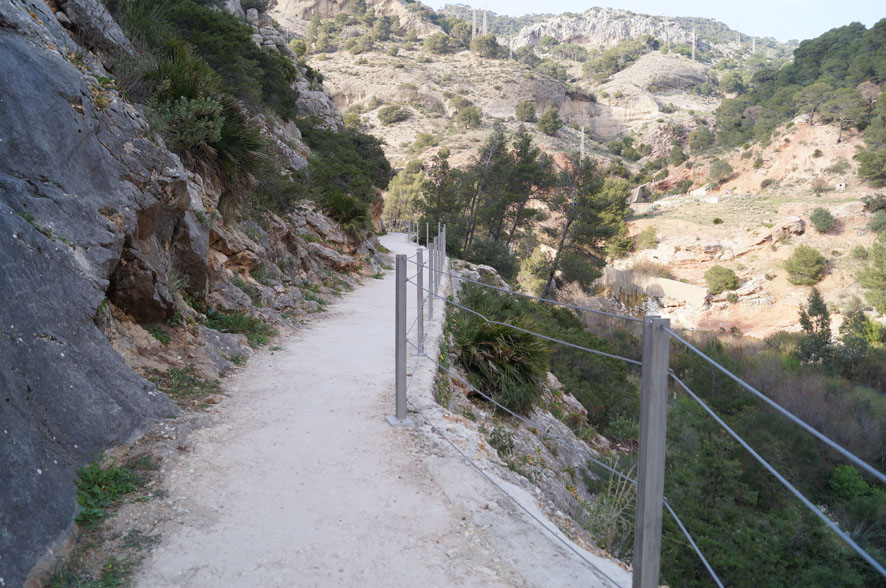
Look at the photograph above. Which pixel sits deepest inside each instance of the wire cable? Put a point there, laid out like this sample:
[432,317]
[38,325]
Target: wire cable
[809,428]
[694,546]
[597,462]
[528,332]
[558,536]
[827,521]
[538,298]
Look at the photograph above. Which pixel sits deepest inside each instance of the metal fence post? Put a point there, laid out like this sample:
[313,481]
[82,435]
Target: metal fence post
[653,434]
[420,306]
[430,282]
[399,417]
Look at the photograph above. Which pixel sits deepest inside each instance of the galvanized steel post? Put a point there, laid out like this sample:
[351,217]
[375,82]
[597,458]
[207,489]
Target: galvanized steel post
[420,307]
[430,282]
[399,417]
[651,465]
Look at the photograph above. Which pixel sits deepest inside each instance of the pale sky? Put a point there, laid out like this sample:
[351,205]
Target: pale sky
[782,19]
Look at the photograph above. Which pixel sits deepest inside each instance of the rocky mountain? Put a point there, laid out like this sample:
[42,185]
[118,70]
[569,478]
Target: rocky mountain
[105,232]
[604,26]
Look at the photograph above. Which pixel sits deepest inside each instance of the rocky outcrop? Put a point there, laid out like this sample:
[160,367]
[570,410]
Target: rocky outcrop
[102,232]
[292,14]
[601,26]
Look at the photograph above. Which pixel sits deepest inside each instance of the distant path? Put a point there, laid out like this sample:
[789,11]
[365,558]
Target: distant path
[305,484]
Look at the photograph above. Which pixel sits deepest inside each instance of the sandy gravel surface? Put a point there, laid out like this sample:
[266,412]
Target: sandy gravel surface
[303,482]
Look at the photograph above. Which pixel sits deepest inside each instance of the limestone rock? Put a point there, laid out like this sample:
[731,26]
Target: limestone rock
[601,26]
[94,25]
[234,7]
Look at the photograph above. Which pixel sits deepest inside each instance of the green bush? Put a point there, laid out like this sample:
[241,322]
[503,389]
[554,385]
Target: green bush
[873,277]
[676,156]
[469,117]
[805,266]
[187,123]
[525,111]
[437,43]
[877,223]
[719,170]
[822,220]
[875,202]
[508,365]
[258,332]
[486,46]
[98,488]
[495,254]
[720,279]
[390,114]
[700,139]
[549,122]
[647,239]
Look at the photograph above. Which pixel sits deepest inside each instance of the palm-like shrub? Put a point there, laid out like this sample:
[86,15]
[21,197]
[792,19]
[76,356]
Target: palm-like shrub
[507,364]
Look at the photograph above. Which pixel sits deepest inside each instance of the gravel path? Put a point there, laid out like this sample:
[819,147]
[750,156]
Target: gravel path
[303,483]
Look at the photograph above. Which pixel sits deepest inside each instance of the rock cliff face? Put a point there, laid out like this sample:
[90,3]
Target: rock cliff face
[98,221]
[601,27]
[293,14]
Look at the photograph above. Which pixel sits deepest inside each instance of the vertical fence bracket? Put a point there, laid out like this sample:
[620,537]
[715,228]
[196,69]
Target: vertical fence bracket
[653,433]
[399,418]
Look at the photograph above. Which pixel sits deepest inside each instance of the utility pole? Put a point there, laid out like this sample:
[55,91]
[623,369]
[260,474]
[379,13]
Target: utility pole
[693,43]
[474,27]
[754,45]
[485,13]
[668,34]
[738,34]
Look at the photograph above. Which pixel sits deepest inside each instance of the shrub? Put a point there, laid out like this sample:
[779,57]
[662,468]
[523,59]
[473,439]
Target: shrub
[549,122]
[720,278]
[391,114]
[257,331]
[877,223]
[496,254]
[469,117]
[525,111]
[817,153]
[676,156]
[822,220]
[766,183]
[700,139]
[187,123]
[647,239]
[819,185]
[98,488]
[486,46]
[717,220]
[719,170]
[873,277]
[805,266]
[875,202]
[508,365]
[437,43]
[732,298]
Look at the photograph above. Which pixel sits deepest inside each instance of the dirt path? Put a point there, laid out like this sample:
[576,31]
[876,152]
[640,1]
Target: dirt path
[303,483]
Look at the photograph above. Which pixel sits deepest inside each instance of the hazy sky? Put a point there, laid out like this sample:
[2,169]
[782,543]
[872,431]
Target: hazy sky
[782,19]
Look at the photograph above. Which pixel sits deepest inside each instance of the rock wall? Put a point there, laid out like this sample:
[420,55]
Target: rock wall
[601,27]
[97,221]
[292,14]
[627,284]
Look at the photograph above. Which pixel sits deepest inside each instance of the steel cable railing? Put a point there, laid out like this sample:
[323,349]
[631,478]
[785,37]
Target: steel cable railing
[824,518]
[663,328]
[536,298]
[593,460]
[809,428]
[528,332]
